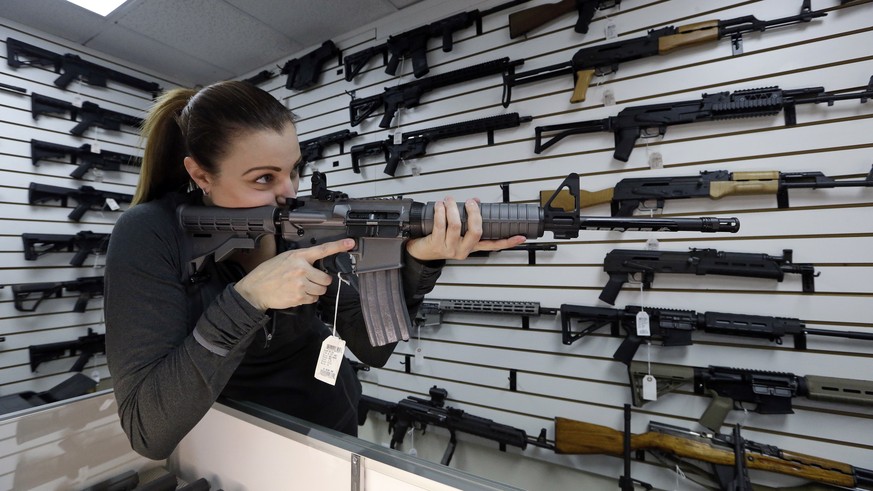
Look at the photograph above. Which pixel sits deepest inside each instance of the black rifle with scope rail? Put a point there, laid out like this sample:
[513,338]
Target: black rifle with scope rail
[86,198]
[87,288]
[88,115]
[70,66]
[381,227]
[82,157]
[412,44]
[633,122]
[621,263]
[82,243]
[305,71]
[413,144]
[673,327]
[409,94]
[86,347]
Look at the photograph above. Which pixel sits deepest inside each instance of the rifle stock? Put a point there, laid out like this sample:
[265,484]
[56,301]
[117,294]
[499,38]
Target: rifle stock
[577,437]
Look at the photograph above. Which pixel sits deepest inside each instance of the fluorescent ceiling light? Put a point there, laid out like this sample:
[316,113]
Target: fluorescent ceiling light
[102,7]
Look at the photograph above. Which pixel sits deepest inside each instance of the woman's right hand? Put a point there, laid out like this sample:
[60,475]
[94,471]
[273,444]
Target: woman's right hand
[289,279]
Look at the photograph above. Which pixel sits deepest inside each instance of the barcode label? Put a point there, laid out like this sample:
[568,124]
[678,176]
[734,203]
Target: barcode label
[329,359]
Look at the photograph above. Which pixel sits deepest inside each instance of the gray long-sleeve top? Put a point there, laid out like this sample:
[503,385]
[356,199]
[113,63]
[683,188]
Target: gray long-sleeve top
[173,347]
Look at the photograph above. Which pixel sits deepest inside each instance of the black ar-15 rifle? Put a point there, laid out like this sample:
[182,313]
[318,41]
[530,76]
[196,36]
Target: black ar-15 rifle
[417,413]
[87,288]
[88,115]
[82,243]
[634,193]
[673,327]
[620,263]
[731,388]
[409,94]
[414,144]
[604,59]
[86,198]
[524,21]
[19,53]
[633,122]
[412,44]
[86,347]
[381,226]
[81,156]
[304,72]
[312,149]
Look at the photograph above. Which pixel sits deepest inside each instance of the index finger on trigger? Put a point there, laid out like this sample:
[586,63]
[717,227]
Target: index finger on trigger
[321,251]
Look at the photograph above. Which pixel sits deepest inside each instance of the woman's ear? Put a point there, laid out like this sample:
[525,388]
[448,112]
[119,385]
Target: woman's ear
[199,175]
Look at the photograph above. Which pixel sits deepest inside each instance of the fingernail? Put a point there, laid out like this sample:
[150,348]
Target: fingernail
[349,242]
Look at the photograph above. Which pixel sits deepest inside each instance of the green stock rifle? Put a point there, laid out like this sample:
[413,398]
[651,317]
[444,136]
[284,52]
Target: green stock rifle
[380,228]
[577,437]
[604,59]
[733,388]
[651,120]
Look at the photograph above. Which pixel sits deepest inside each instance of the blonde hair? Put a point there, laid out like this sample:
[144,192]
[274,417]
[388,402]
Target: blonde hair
[200,124]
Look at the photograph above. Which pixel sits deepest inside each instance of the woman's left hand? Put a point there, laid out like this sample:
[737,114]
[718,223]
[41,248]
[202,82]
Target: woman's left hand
[446,241]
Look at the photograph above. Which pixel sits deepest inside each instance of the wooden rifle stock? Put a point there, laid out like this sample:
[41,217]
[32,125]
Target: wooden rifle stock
[526,20]
[577,437]
[689,35]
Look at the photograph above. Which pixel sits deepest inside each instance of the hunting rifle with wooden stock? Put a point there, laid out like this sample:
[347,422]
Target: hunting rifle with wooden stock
[604,59]
[634,193]
[577,437]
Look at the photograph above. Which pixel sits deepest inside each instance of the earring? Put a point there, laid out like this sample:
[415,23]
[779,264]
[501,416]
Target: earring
[205,192]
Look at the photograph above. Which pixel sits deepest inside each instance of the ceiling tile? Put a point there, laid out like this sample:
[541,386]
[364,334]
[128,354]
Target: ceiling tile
[163,59]
[210,30]
[66,20]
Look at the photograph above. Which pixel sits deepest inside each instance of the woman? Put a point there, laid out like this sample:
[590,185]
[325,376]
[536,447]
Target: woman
[174,345]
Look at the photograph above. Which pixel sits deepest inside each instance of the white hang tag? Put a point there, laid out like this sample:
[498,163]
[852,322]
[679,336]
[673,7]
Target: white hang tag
[398,138]
[95,147]
[329,359]
[112,204]
[656,160]
[95,376]
[650,388]
[643,324]
[608,97]
[652,244]
[77,100]
[610,31]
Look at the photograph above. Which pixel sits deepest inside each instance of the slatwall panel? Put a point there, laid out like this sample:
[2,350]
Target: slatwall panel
[472,355]
[54,320]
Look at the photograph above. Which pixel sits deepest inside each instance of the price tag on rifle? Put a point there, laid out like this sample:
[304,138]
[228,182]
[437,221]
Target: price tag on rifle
[643,324]
[112,204]
[397,138]
[329,359]
[650,387]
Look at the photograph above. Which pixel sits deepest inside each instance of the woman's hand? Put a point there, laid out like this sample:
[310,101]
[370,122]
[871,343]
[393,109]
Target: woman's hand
[289,279]
[446,241]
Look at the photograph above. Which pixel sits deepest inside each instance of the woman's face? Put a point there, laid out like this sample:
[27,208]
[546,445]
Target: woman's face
[259,169]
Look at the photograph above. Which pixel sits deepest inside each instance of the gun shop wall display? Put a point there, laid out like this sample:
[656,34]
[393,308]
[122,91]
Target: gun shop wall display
[690,310]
